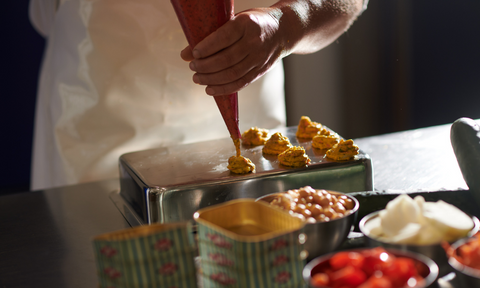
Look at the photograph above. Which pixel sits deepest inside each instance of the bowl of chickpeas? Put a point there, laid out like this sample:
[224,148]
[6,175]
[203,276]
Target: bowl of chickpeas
[329,215]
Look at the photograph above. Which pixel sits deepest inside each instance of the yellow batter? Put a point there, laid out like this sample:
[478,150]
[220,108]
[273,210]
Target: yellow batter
[240,165]
[277,144]
[307,128]
[325,139]
[255,136]
[343,150]
[294,157]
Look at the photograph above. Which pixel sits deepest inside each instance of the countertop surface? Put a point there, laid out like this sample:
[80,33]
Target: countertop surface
[46,235]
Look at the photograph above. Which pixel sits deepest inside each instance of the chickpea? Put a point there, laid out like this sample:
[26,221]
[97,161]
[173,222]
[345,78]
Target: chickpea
[306,213]
[311,220]
[317,198]
[316,210]
[349,204]
[309,199]
[293,194]
[334,200]
[325,202]
[328,196]
[339,208]
[296,209]
[320,218]
[329,212]
[293,205]
[297,215]
[337,215]
[306,191]
[281,202]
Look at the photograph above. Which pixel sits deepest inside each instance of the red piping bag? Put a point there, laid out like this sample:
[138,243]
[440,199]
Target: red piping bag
[198,19]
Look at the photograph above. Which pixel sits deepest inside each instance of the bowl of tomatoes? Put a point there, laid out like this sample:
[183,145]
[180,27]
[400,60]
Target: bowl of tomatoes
[369,268]
[464,258]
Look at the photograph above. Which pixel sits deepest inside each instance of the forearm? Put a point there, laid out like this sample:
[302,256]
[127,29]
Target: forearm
[307,26]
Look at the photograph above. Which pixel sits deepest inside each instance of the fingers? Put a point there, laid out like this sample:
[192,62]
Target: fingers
[225,76]
[220,61]
[235,86]
[222,38]
[229,88]
[186,54]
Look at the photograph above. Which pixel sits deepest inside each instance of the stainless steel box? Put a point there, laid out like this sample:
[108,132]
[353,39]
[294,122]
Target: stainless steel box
[169,184]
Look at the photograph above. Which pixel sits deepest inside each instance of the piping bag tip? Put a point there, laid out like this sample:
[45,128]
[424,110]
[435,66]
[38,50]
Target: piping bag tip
[228,106]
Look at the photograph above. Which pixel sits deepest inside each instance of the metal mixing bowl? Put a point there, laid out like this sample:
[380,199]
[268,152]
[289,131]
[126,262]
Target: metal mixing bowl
[435,252]
[429,271]
[465,276]
[324,237]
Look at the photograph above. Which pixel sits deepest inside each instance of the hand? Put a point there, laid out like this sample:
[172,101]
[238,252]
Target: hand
[238,53]
[249,44]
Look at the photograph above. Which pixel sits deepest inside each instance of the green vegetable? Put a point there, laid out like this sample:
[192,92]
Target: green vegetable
[465,139]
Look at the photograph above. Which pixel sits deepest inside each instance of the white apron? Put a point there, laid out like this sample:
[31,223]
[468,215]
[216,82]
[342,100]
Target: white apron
[113,82]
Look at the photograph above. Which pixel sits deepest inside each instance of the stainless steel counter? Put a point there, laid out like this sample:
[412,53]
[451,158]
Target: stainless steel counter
[46,235]
[414,160]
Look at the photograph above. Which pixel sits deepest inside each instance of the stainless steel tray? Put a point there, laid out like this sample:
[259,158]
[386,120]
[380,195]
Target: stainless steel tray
[169,184]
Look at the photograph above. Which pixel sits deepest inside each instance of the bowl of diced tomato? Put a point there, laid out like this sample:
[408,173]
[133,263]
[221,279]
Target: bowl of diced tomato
[464,258]
[371,268]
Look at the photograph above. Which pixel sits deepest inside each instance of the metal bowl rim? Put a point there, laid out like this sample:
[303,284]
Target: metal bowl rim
[459,267]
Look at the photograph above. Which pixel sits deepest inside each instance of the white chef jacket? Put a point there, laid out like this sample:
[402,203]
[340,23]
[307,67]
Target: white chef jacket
[112,81]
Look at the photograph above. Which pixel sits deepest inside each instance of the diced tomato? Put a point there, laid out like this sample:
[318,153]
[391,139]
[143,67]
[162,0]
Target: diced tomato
[376,259]
[348,276]
[400,271]
[469,253]
[369,268]
[342,259]
[377,282]
[319,280]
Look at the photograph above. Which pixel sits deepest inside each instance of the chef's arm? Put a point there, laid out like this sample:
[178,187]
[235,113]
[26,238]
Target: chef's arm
[248,45]
[307,26]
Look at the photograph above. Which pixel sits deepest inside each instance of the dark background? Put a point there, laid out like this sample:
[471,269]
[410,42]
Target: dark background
[21,51]
[427,63]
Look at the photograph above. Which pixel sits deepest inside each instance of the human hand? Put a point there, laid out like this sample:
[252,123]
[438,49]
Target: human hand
[248,45]
[238,53]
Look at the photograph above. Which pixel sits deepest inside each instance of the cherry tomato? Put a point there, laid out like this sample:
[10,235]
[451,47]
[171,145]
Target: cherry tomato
[348,276]
[342,259]
[377,282]
[320,279]
[376,259]
[400,271]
